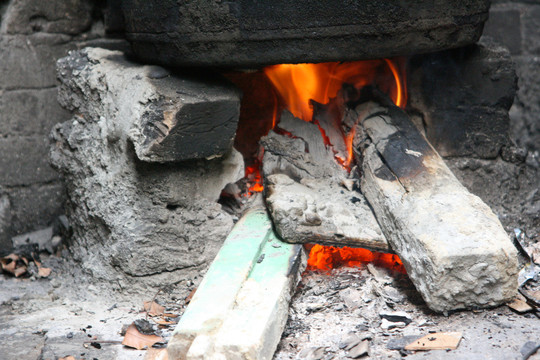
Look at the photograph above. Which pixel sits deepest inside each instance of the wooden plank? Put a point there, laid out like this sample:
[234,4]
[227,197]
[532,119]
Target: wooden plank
[453,246]
[252,330]
[217,292]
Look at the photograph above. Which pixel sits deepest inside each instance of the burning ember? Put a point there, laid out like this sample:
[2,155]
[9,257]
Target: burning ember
[329,257]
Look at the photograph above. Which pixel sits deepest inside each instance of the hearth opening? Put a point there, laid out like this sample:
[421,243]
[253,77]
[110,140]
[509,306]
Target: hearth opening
[320,94]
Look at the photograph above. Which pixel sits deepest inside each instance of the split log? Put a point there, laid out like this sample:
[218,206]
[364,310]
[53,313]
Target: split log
[309,196]
[453,246]
[300,153]
[322,212]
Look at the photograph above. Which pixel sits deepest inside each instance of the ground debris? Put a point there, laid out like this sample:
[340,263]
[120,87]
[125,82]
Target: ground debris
[14,264]
[359,350]
[436,341]
[313,353]
[519,304]
[529,349]
[136,339]
[156,354]
[396,316]
[153,308]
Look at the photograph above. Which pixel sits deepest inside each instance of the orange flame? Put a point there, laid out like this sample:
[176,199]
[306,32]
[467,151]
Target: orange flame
[329,257]
[297,84]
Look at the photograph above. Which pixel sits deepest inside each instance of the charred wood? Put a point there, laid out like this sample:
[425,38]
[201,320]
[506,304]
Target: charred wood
[453,246]
[309,196]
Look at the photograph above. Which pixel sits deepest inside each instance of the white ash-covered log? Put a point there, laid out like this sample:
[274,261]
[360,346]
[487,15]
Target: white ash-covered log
[453,246]
[309,196]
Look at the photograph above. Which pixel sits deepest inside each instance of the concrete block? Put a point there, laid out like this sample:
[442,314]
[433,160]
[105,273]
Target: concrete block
[51,16]
[525,126]
[30,61]
[5,224]
[504,26]
[465,95]
[25,161]
[36,206]
[531,29]
[30,112]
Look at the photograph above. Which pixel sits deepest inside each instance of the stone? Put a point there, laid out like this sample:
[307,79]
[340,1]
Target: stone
[30,112]
[359,350]
[175,118]
[24,161]
[53,16]
[248,34]
[128,215]
[453,246]
[5,224]
[464,96]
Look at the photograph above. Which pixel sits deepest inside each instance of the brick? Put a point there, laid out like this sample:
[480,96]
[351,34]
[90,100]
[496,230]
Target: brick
[25,161]
[504,25]
[51,16]
[30,61]
[36,206]
[30,112]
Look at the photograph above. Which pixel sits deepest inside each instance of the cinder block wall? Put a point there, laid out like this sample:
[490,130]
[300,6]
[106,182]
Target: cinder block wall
[516,24]
[33,35]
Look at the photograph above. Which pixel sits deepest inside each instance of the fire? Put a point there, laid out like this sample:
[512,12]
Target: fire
[299,84]
[329,257]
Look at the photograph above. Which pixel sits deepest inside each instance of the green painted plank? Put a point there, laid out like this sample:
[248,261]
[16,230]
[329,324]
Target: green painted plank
[253,328]
[217,292]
